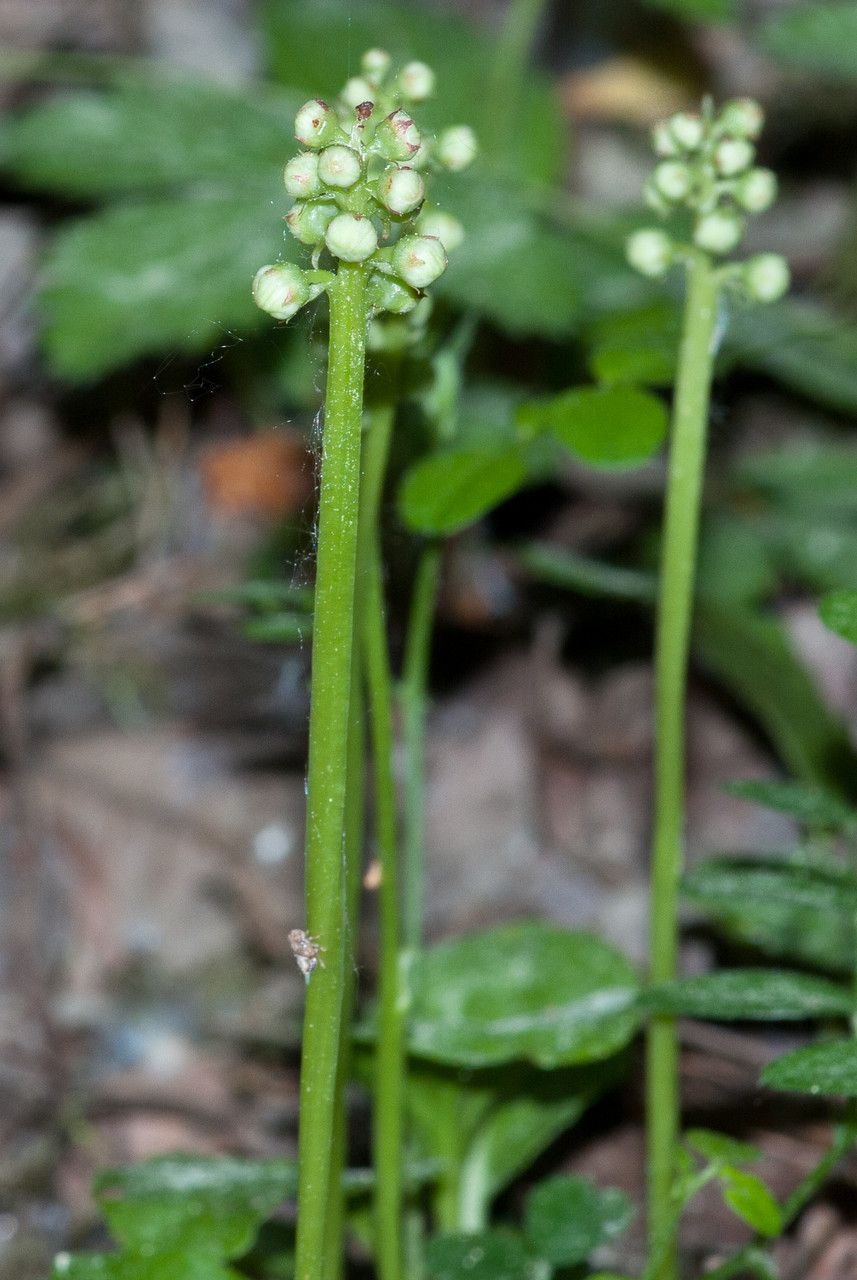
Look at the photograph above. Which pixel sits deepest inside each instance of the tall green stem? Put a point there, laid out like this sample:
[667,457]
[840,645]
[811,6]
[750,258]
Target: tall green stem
[678,565]
[328,758]
[414,698]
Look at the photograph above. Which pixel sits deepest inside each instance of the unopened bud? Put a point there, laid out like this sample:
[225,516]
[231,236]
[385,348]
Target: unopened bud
[766,277]
[308,220]
[356,91]
[401,190]
[419,260]
[280,289]
[339,167]
[443,226]
[351,237]
[757,190]
[387,294]
[416,81]
[301,175]
[375,64]
[733,156]
[687,130]
[456,147]
[397,137]
[718,232]
[742,118]
[316,124]
[649,251]
[672,179]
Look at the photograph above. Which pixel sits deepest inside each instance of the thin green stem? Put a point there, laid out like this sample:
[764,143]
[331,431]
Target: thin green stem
[509,68]
[678,563]
[414,699]
[328,759]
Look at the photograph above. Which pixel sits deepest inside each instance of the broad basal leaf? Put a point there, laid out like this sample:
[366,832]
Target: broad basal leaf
[838,612]
[531,991]
[606,426]
[829,1068]
[566,1218]
[755,994]
[446,491]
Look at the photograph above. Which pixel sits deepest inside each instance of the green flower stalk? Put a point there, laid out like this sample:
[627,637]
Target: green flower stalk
[707,169]
[357,204]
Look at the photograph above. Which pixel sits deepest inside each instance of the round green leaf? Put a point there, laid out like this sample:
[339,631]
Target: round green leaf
[567,1218]
[523,991]
[606,426]
[749,1198]
[488,1255]
[447,491]
[838,612]
[829,1068]
[763,994]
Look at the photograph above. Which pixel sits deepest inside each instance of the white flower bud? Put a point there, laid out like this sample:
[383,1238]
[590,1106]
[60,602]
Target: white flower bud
[456,147]
[718,232]
[357,91]
[757,190]
[387,294]
[663,141]
[672,179]
[649,251]
[351,237]
[419,260]
[280,289]
[316,124]
[416,81]
[397,137]
[339,167]
[301,175]
[766,277]
[733,156]
[308,220]
[443,226]
[687,130]
[375,64]
[401,190]
[743,118]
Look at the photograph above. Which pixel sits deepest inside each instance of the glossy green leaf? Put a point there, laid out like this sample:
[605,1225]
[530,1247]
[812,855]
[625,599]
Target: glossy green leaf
[486,1255]
[605,426]
[817,37]
[522,991]
[719,1148]
[813,806]
[566,1218]
[828,1068]
[838,612]
[749,1198]
[446,491]
[753,994]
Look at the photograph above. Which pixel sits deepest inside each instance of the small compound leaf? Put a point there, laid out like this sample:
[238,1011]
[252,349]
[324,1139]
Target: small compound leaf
[838,612]
[752,994]
[446,491]
[528,991]
[749,1198]
[719,1148]
[566,1218]
[812,805]
[828,1068]
[486,1255]
[605,426]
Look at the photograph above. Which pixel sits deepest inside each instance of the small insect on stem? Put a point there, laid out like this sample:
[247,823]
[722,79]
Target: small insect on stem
[307,952]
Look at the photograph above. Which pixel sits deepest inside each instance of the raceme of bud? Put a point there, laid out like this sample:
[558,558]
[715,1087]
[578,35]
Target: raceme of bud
[357,90]
[401,190]
[339,167]
[351,237]
[456,147]
[733,156]
[719,231]
[280,289]
[387,294]
[757,190]
[416,81]
[766,277]
[687,130]
[650,251]
[672,179]
[397,137]
[316,124]
[419,260]
[375,64]
[301,175]
[742,118]
[443,226]
[308,220]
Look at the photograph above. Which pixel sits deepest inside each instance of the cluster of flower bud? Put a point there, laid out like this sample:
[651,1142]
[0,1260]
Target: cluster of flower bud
[707,167]
[359,188]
